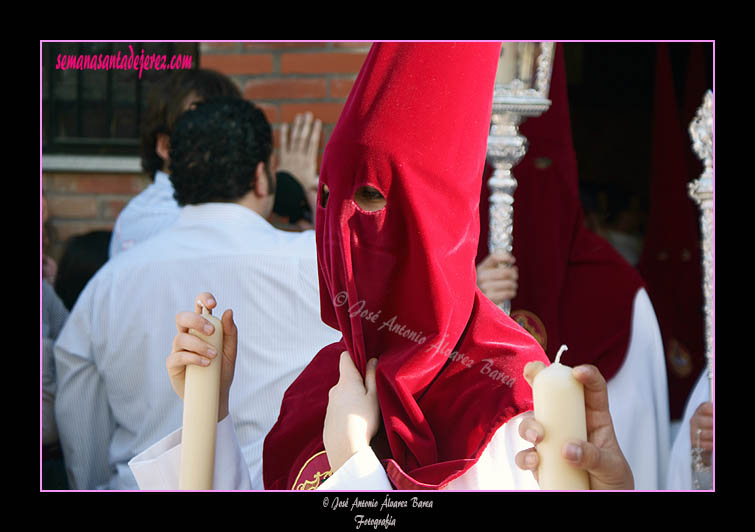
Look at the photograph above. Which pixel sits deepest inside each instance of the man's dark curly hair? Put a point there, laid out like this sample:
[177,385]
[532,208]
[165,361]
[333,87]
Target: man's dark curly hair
[166,102]
[215,150]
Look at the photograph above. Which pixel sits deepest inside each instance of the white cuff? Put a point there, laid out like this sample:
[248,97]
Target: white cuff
[362,472]
[157,467]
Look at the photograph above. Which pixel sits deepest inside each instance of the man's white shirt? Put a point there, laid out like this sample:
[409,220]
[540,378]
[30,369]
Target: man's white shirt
[114,398]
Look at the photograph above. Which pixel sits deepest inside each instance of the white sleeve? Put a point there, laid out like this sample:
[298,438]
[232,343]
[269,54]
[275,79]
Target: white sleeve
[638,400]
[82,412]
[157,467]
[362,472]
[496,469]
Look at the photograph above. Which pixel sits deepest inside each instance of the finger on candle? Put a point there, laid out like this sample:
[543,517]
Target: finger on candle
[206,300]
[607,468]
[590,377]
[229,326]
[585,455]
[596,389]
[194,344]
[191,320]
[532,369]
[528,460]
[591,458]
[176,364]
[185,358]
[531,430]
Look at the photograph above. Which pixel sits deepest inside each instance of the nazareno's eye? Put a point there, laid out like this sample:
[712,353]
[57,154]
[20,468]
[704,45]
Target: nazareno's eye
[371,193]
[369,198]
[324,195]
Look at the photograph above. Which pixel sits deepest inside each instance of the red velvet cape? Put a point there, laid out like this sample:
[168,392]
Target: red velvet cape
[671,261]
[574,287]
[400,283]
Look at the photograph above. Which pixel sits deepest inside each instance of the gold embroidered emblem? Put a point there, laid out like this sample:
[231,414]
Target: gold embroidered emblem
[314,472]
[532,324]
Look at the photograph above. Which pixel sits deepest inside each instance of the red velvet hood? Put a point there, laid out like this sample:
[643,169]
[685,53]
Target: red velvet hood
[399,283]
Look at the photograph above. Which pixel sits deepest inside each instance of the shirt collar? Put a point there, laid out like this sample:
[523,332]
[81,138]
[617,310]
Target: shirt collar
[222,212]
[162,179]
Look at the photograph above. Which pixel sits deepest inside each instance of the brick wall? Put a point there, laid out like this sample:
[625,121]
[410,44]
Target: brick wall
[282,78]
[81,202]
[289,78]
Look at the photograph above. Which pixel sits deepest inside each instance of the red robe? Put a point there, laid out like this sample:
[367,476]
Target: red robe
[671,258]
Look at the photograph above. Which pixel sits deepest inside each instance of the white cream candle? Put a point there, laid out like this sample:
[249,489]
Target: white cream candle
[200,416]
[560,407]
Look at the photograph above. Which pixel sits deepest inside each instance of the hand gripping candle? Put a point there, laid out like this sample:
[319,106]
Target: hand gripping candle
[560,407]
[200,416]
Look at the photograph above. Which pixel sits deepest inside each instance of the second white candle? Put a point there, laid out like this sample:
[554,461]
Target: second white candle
[559,401]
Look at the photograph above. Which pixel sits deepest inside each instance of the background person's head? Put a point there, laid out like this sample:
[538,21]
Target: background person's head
[167,101]
[221,151]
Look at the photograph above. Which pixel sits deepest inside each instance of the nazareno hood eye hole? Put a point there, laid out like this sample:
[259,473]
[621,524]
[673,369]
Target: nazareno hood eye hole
[369,198]
[324,193]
